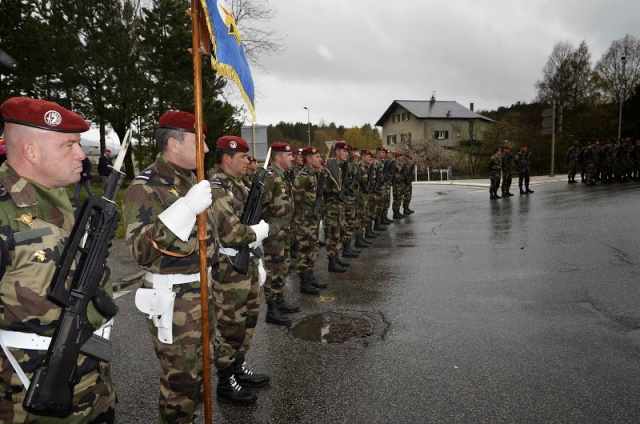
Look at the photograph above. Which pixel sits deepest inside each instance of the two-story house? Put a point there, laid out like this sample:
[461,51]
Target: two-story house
[446,123]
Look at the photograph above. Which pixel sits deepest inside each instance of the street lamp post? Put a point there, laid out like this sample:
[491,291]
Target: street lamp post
[308,127]
[622,93]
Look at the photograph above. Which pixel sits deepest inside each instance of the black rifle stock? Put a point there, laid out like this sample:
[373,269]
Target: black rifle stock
[50,392]
[251,215]
[344,171]
[319,191]
[369,178]
[353,186]
[378,179]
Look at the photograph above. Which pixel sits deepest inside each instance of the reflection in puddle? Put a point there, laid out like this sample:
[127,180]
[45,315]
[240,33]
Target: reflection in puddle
[332,328]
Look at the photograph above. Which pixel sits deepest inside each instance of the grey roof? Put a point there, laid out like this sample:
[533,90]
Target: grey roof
[437,109]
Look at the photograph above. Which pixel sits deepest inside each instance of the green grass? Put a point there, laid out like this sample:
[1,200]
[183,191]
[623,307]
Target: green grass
[97,190]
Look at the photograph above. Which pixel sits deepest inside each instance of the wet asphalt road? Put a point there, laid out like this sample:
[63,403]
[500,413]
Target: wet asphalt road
[514,310]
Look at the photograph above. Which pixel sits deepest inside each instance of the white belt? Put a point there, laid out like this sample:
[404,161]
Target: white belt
[168,280]
[230,251]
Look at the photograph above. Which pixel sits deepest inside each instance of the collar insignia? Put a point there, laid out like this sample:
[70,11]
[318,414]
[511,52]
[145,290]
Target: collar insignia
[40,255]
[175,192]
[26,218]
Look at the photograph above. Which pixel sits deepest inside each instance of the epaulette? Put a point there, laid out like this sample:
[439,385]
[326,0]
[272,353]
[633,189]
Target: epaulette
[269,173]
[217,182]
[304,171]
[146,175]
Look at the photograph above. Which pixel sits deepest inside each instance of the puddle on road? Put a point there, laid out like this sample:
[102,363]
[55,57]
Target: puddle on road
[332,328]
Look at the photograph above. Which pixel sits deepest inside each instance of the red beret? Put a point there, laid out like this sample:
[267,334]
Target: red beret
[507,147]
[379,148]
[366,152]
[310,151]
[342,145]
[42,114]
[398,154]
[297,151]
[353,148]
[280,146]
[251,159]
[179,120]
[231,142]
[524,145]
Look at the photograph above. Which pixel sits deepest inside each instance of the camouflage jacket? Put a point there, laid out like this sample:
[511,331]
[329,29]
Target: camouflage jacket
[363,179]
[229,196]
[352,179]
[495,164]
[507,162]
[521,161]
[304,192]
[153,246]
[332,185]
[277,205]
[35,223]
[397,175]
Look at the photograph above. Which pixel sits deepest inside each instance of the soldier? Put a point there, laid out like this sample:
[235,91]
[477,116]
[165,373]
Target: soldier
[236,296]
[305,222]
[591,160]
[351,203]
[247,178]
[635,160]
[522,165]
[398,186]
[160,208]
[408,187]
[583,162]
[363,198]
[36,217]
[333,210]
[572,161]
[507,175]
[606,157]
[298,163]
[277,210]
[495,165]
[381,156]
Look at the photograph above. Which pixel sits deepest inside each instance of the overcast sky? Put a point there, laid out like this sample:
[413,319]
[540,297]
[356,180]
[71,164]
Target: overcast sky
[347,60]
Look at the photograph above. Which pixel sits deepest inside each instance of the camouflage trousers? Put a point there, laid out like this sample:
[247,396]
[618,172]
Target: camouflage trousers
[181,394]
[407,194]
[350,209]
[277,261]
[236,300]
[590,175]
[384,201]
[495,182]
[398,194]
[361,214]
[306,237]
[507,178]
[373,206]
[334,223]
[94,397]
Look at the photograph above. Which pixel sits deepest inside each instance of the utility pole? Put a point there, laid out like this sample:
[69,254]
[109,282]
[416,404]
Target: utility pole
[308,127]
[622,92]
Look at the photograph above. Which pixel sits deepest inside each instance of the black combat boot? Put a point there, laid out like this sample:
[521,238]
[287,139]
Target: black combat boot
[377,226]
[397,214]
[407,209]
[230,391]
[347,252]
[274,316]
[385,220]
[315,281]
[495,193]
[306,285]
[360,242]
[369,233]
[353,248]
[334,266]
[529,191]
[247,378]
[522,191]
[284,306]
[341,261]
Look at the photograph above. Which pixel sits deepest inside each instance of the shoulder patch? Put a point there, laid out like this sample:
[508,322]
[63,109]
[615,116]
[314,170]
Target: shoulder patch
[304,171]
[145,175]
[217,182]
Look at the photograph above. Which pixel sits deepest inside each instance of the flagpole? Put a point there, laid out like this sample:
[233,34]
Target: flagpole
[196,51]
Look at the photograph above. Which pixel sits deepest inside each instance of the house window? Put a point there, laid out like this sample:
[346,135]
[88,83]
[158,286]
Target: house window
[405,138]
[442,135]
[391,139]
[405,116]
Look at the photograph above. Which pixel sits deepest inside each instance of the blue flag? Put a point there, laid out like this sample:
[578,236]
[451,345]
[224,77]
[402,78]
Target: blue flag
[228,56]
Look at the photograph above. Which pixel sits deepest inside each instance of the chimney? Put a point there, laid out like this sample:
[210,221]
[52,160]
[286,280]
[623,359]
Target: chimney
[471,107]
[433,98]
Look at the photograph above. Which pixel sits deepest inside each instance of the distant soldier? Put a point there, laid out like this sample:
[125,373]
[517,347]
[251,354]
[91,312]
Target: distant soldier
[36,217]
[305,222]
[104,168]
[401,168]
[521,162]
[495,166]
[389,165]
[247,178]
[160,208]
[635,160]
[591,159]
[277,211]
[572,162]
[606,157]
[582,162]
[362,226]
[236,296]
[408,186]
[381,155]
[351,203]
[333,210]
[507,171]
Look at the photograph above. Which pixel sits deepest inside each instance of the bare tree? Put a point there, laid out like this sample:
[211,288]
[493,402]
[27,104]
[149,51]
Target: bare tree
[613,82]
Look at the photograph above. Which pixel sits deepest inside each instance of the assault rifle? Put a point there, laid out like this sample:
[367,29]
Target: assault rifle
[353,186]
[388,167]
[50,391]
[409,175]
[369,178]
[251,214]
[344,170]
[319,190]
[378,180]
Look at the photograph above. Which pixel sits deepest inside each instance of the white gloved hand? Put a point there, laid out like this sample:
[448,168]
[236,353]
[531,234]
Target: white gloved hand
[262,232]
[262,272]
[181,216]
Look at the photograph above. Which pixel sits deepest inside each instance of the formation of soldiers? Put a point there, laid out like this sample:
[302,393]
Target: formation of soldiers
[502,164]
[616,161]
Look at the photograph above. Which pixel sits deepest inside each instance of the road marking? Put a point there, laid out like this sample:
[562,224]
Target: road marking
[120,293]
[325,299]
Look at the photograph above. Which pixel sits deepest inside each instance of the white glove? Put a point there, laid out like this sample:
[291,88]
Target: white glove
[181,216]
[262,273]
[262,232]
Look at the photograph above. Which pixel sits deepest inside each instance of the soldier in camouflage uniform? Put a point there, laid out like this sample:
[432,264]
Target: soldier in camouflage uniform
[236,296]
[379,194]
[606,156]
[247,178]
[298,163]
[572,162]
[333,210]
[350,204]
[591,160]
[36,218]
[277,211]
[160,208]
[495,166]
[521,162]
[386,187]
[400,169]
[363,198]
[305,222]
[507,171]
